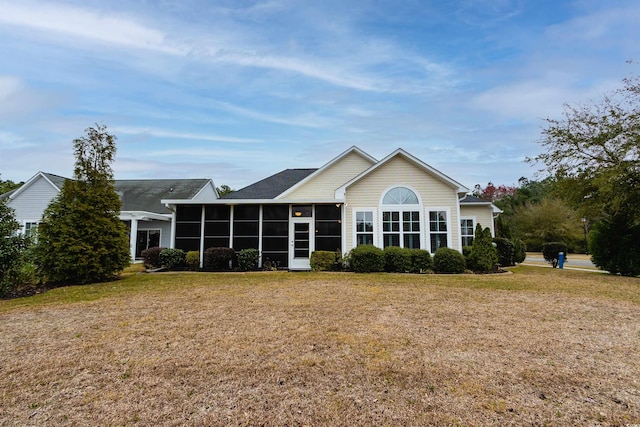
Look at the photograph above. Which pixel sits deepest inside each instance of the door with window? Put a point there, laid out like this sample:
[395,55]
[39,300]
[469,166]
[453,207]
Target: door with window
[301,237]
[146,239]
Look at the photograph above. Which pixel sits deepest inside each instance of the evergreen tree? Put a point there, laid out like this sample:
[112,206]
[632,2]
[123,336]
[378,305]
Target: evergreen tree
[483,257]
[12,249]
[81,239]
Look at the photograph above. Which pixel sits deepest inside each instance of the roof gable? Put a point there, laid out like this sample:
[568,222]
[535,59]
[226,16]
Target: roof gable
[460,189]
[55,181]
[146,194]
[333,162]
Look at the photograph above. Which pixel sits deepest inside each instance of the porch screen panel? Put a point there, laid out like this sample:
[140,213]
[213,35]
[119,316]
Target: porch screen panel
[275,235]
[328,231]
[188,226]
[217,226]
[246,226]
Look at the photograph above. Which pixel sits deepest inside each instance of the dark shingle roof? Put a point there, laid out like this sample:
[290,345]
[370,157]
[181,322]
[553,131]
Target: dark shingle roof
[272,186]
[145,194]
[57,180]
[472,199]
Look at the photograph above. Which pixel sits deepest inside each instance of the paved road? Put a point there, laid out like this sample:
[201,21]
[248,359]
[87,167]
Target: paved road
[568,263]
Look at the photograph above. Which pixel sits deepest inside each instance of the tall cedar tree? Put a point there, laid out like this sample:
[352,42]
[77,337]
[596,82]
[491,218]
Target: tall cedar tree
[12,249]
[483,257]
[81,239]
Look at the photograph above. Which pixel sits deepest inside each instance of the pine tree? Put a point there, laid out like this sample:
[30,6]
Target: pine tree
[81,239]
[483,257]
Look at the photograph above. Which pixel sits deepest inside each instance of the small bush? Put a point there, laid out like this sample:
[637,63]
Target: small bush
[151,257]
[483,257]
[506,251]
[248,259]
[421,261]
[550,251]
[192,260]
[447,260]
[172,259]
[323,260]
[520,251]
[366,259]
[218,259]
[397,259]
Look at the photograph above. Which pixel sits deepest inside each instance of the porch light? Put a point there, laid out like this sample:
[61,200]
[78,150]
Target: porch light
[297,213]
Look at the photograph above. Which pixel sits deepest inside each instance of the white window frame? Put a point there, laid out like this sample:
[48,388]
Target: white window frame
[159,230]
[401,209]
[374,212]
[447,211]
[23,229]
[473,228]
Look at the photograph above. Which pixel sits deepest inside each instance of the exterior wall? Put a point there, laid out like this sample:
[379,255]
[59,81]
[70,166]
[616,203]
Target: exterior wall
[163,226]
[323,186]
[207,193]
[434,194]
[30,204]
[482,215]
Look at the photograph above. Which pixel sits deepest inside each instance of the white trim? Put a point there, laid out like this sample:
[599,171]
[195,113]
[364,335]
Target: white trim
[460,189]
[321,170]
[215,190]
[447,211]
[354,225]
[474,219]
[301,264]
[30,182]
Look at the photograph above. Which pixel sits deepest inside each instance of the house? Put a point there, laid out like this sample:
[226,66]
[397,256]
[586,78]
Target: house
[148,220]
[353,199]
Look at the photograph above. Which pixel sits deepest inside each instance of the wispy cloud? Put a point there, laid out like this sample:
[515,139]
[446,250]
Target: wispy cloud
[162,133]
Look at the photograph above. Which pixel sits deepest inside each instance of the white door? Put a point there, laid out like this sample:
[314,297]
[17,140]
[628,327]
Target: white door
[301,237]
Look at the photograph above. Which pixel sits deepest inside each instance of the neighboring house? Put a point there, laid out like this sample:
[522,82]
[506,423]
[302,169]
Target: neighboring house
[354,199]
[148,220]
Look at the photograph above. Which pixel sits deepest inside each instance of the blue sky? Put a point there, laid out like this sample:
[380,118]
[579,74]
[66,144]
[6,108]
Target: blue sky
[236,90]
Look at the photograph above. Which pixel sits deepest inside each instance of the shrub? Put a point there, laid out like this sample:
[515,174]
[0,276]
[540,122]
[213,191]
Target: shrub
[218,259]
[483,257]
[520,251]
[614,247]
[506,251]
[323,260]
[366,259]
[172,259]
[397,259]
[151,257]
[550,251]
[421,261]
[248,259]
[447,260]
[192,259]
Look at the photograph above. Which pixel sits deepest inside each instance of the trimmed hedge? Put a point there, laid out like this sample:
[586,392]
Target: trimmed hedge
[172,259]
[551,250]
[366,259]
[218,259]
[397,259]
[248,259]
[421,261]
[192,260]
[506,251]
[520,251]
[323,260]
[151,257]
[447,260]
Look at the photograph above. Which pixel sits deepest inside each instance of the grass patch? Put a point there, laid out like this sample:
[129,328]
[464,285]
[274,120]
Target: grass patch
[535,347]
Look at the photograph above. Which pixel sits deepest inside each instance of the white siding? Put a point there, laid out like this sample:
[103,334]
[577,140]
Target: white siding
[323,186]
[432,191]
[30,204]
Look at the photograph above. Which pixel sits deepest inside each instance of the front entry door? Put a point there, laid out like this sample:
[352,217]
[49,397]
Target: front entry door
[301,243]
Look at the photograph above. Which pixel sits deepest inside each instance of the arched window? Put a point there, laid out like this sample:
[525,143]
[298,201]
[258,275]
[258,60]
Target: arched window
[400,196]
[401,218]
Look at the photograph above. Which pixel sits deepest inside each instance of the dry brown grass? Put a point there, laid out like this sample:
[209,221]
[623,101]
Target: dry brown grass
[538,347]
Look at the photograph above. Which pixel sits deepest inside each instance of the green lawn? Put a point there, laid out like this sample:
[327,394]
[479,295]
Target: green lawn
[536,347]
